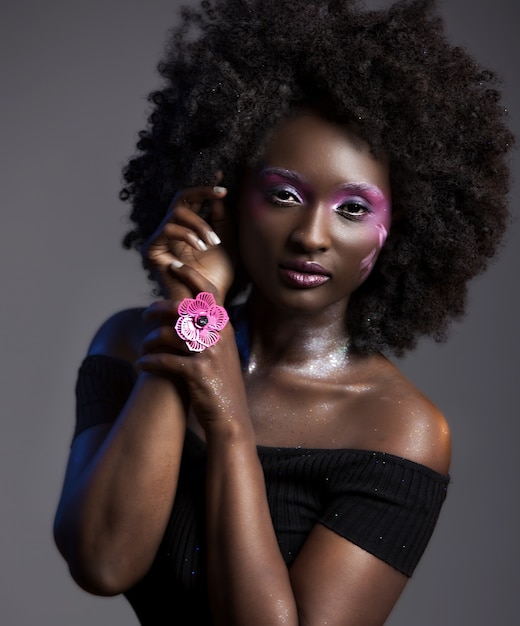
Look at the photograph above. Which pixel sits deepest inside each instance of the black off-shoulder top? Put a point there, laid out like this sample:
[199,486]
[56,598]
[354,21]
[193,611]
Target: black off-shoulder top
[385,504]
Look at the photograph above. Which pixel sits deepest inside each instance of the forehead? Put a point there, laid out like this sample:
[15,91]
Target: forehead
[325,153]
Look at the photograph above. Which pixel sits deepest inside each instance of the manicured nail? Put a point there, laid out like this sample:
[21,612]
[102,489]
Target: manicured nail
[218,189]
[176,264]
[201,245]
[214,238]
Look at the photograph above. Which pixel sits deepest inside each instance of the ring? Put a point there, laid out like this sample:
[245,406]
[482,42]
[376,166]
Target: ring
[200,321]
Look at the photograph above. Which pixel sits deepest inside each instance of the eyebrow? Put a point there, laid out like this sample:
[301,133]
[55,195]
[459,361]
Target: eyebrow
[290,175]
[364,187]
[297,178]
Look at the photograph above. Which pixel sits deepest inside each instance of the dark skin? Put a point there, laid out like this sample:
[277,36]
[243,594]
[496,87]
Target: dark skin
[299,350]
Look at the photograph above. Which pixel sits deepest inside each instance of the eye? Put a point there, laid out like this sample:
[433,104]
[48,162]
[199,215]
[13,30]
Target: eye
[283,196]
[354,208]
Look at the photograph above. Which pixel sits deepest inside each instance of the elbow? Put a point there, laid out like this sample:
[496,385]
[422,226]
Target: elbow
[99,581]
[94,572]
[98,577]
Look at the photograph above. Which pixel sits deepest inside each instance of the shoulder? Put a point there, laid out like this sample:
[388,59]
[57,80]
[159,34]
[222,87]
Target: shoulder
[120,336]
[405,422]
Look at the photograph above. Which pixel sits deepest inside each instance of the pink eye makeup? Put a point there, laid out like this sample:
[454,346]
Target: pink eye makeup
[282,187]
[357,200]
[354,201]
[283,195]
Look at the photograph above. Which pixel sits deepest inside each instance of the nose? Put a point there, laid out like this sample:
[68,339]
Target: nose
[311,231]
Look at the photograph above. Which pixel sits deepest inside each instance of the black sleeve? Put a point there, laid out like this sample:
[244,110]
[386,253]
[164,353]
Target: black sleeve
[386,505]
[102,388]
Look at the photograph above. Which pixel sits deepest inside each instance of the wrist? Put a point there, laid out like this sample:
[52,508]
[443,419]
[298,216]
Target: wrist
[233,433]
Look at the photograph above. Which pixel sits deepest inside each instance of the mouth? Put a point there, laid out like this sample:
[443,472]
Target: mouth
[303,274]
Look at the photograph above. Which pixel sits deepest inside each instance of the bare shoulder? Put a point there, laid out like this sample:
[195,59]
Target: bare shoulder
[413,427]
[120,335]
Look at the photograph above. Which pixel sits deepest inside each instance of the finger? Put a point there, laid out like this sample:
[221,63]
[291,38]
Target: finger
[166,310]
[191,278]
[165,363]
[161,310]
[220,220]
[193,196]
[169,246]
[175,232]
[164,340]
[184,209]
[195,209]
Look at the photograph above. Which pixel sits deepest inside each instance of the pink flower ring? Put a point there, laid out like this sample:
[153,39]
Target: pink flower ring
[200,321]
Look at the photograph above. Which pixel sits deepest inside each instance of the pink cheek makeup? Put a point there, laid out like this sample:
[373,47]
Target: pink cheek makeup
[378,211]
[368,262]
[364,208]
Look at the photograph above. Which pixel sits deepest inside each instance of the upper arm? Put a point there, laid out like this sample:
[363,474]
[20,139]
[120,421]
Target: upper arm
[120,336]
[338,583]
[114,339]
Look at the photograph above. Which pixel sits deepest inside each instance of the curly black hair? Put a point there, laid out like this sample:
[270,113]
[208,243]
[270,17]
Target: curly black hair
[234,68]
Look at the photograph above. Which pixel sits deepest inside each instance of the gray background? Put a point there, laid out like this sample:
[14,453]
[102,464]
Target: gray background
[74,76]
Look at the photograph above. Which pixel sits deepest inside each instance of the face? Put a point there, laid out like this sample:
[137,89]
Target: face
[314,215]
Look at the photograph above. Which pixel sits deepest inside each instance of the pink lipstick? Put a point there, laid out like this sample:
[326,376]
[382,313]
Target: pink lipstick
[303,274]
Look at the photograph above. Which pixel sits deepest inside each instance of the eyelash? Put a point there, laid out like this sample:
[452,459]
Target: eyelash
[272,196]
[344,211]
[361,208]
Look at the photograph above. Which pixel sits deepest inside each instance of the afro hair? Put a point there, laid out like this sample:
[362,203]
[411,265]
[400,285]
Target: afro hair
[233,69]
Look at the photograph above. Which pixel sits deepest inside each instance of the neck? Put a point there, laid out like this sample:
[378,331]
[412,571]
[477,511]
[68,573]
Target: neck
[313,341]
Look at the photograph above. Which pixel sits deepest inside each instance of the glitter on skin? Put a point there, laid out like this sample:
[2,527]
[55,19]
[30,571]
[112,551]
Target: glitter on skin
[218,389]
[283,615]
[324,368]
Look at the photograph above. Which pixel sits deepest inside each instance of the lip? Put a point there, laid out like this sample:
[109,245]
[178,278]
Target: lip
[303,274]
[305,267]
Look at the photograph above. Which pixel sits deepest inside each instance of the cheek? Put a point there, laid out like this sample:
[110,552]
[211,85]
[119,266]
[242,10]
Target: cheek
[367,263]
[252,207]
[257,220]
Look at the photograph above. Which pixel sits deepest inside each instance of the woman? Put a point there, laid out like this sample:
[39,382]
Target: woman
[337,175]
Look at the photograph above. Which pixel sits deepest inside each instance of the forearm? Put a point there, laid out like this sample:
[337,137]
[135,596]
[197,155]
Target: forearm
[115,505]
[248,578]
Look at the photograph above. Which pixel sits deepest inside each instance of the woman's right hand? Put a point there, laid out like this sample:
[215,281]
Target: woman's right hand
[185,238]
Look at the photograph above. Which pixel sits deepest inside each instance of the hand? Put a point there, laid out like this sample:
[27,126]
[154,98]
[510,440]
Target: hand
[212,378]
[184,241]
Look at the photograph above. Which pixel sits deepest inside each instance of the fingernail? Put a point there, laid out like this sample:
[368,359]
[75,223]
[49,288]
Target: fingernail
[176,264]
[218,189]
[214,238]
[202,246]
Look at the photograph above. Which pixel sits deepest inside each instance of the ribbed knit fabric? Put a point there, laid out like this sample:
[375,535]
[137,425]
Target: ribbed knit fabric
[384,504]
[102,388]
